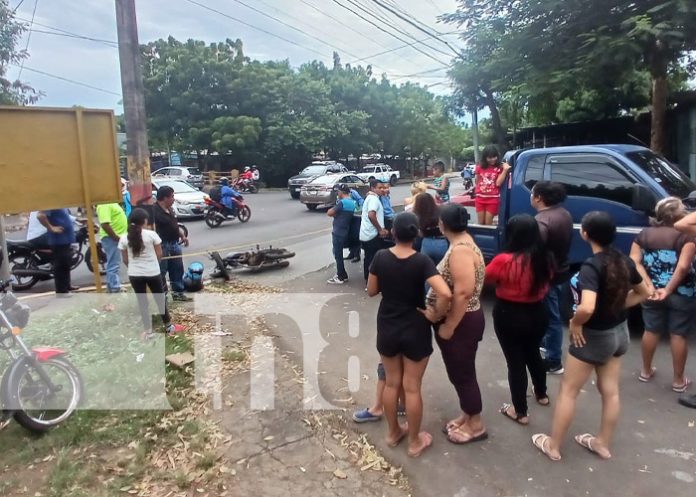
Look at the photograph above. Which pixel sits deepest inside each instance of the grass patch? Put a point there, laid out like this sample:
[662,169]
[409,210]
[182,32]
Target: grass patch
[233,355]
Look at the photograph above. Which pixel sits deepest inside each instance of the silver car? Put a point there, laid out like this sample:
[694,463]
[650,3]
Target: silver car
[188,202]
[191,175]
[321,191]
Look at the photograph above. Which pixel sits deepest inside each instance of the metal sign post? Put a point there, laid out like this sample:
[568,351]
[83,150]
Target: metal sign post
[5,266]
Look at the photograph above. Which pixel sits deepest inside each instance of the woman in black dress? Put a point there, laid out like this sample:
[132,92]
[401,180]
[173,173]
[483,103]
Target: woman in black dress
[404,336]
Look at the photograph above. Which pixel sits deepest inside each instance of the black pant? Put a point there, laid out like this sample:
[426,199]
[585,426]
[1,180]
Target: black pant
[520,328]
[140,285]
[370,248]
[62,260]
[353,240]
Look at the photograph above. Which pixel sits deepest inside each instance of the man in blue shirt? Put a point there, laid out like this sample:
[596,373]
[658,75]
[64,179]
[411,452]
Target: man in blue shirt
[342,215]
[354,235]
[61,236]
[228,193]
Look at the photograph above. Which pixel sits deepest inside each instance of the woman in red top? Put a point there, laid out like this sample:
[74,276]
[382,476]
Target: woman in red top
[521,274]
[490,176]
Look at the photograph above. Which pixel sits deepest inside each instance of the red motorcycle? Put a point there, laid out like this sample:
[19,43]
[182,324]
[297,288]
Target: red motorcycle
[217,213]
[245,184]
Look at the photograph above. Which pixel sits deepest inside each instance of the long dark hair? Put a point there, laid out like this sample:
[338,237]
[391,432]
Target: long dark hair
[427,211]
[454,217]
[405,227]
[490,151]
[601,229]
[137,219]
[523,240]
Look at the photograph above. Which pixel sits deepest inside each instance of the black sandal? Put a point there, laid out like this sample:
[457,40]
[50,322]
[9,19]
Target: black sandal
[505,411]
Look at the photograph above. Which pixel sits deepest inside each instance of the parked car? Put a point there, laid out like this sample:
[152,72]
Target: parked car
[624,180]
[188,201]
[382,172]
[191,175]
[321,191]
[317,168]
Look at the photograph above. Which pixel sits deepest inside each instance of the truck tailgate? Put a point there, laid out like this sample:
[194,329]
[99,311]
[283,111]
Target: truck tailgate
[487,238]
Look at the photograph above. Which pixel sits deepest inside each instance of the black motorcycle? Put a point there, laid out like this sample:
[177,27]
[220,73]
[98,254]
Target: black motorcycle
[30,263]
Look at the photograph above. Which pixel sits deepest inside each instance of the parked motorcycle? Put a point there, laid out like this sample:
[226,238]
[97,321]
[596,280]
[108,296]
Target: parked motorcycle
[40,388]
[245,185]
[217,213]
[30,264]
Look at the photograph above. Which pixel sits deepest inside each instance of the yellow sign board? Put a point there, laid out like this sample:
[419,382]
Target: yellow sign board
[57,157]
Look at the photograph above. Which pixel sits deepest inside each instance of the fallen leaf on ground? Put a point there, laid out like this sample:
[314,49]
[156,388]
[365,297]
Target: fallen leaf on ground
[340,474]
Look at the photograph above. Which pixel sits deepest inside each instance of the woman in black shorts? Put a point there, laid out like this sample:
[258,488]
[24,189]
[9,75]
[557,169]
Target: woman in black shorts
[404,336]
[606,285]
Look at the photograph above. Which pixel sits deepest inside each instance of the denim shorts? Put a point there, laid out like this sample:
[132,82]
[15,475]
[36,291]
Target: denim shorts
[674,315]
[601,345]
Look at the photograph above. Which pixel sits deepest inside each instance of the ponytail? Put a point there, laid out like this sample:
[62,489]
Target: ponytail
[616,279]
[136,221]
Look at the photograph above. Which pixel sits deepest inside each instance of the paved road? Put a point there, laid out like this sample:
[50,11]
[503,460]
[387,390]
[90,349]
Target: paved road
[275,218]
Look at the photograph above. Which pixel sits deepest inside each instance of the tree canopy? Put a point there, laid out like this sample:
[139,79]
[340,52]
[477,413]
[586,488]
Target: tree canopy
[12,92]
[212,98]
[566,60]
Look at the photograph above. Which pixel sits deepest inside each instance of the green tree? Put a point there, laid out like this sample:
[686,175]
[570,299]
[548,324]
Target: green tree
[12,92]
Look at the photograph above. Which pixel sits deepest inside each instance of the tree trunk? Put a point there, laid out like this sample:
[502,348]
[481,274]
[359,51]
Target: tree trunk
[499,132]
[658,71]
[659,111]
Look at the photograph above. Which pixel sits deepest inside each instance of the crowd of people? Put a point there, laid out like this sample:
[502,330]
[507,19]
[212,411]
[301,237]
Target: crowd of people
[430,274]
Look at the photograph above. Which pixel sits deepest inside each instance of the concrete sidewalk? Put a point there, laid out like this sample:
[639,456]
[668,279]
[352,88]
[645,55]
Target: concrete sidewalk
[654,450]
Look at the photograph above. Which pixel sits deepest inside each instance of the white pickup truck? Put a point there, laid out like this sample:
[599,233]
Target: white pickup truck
[381,172]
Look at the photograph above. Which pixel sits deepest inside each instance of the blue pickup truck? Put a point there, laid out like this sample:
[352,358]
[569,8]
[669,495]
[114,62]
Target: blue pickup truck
[624,180]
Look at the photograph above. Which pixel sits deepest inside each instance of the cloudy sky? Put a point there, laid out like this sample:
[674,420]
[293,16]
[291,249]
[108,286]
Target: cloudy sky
[309,29]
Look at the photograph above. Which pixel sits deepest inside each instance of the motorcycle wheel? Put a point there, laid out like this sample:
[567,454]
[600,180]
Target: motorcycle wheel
[212,220]
[39,410]
[244,214]
[220,265]
[22,262]
[102,260]
[253,188]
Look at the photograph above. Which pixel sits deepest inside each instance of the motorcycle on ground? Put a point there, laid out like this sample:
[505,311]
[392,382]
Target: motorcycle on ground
[30,263]
[245,185]
[217,212]
[40,388]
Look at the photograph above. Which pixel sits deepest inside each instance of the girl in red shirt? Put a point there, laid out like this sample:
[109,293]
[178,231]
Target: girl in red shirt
[490,176]
[521,274]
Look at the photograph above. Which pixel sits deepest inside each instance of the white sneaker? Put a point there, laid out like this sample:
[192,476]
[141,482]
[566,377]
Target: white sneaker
[336,281]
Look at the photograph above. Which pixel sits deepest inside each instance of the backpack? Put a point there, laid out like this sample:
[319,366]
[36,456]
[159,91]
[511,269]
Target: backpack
[215,193]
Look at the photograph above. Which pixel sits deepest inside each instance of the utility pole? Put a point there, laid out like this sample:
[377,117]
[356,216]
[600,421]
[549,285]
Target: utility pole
[137,150]
[475,129]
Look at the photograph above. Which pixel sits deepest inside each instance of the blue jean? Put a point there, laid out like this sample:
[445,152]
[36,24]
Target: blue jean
[113,264]
[553,339]
[338,243]
[175,267]
[435,248]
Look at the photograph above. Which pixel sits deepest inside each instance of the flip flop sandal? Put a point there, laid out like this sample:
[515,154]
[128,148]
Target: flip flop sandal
[449,426]
[542,401]
[539,440]
[505,411]
[646,378]
[478,438]
[585,440]
[396,442]
[428,442]
[365,416]
[681,388]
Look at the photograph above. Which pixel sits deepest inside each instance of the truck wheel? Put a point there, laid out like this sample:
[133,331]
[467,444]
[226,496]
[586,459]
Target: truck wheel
[393,180]
[295,196]
[311,207]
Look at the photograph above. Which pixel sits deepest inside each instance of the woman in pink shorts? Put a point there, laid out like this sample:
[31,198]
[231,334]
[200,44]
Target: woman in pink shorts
[490,176]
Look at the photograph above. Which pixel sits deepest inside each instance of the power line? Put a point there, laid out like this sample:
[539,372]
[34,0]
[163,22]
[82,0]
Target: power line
[31,26]
[415,25]
[70,33]
[387,32]
[18,6]
[269,33]
[76,36]
[389,22]
[72,81]
[240,2]
[404,12]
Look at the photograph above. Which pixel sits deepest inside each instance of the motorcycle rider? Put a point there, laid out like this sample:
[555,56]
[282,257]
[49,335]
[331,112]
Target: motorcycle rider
[255,173]
[227,193]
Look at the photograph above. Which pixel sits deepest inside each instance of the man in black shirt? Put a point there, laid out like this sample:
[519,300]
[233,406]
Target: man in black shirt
[167,228]
[556,229]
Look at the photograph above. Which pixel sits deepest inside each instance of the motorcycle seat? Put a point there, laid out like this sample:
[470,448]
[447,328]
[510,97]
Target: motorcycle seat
[20,244]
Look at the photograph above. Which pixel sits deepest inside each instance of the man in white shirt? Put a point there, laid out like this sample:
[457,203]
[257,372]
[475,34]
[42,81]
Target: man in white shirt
[36,232]
[372,229]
